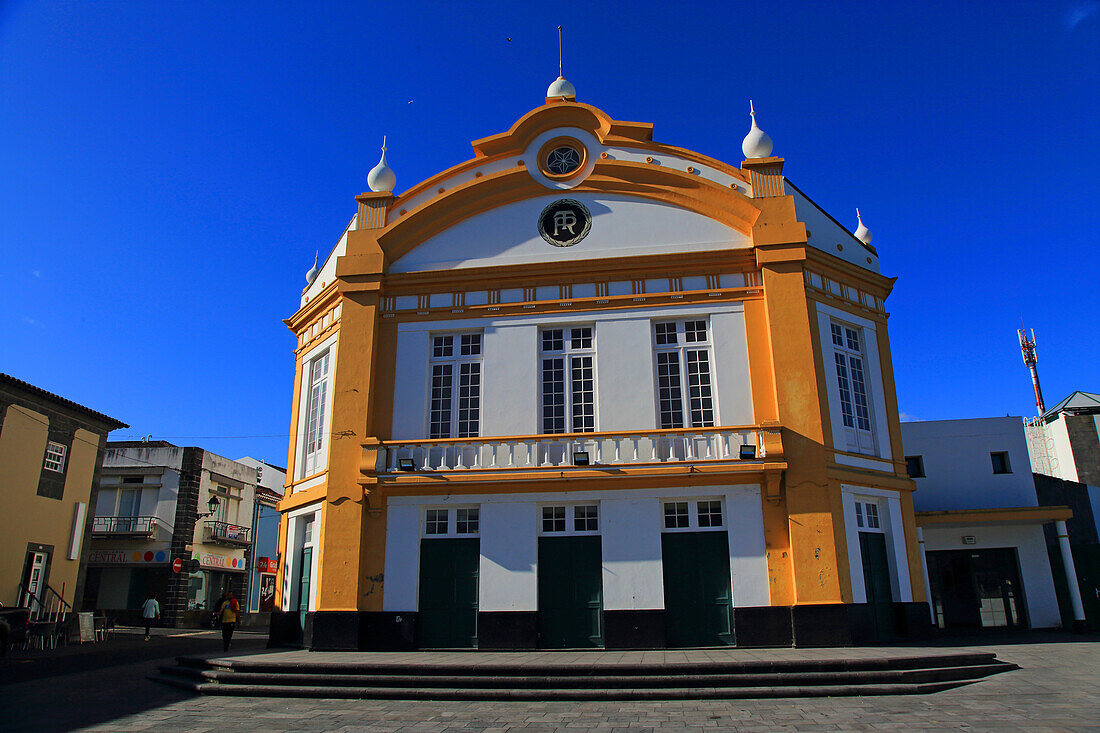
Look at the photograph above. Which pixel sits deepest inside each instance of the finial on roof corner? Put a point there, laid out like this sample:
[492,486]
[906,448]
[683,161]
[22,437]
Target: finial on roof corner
[560,88]
[381,176]
[313,271]
[862,233]
[756,144]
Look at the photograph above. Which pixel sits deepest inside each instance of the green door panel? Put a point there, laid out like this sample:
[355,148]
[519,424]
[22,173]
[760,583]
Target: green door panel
[447,614]
[876,579]
[698,594]
[570,612]
[305,565]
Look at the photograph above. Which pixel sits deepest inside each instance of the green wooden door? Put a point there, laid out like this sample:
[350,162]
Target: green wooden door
[305,565]
[570,592]
[447,615]
[876,579]
[698,596]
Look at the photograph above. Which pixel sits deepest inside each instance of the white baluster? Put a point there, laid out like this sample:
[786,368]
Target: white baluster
[392,454]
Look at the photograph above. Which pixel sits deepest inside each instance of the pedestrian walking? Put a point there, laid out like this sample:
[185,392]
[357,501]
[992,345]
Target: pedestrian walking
[150,610]
[229,611]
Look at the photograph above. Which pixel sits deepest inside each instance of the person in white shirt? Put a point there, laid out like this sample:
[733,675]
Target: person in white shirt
[150,610]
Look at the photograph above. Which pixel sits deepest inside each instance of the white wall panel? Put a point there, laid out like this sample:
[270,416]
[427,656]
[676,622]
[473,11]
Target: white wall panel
[632,572]
[624,375]
[621,226]
[748,564]
[410,390]
[509,395]
[509,553]
[731,361]
[402,569]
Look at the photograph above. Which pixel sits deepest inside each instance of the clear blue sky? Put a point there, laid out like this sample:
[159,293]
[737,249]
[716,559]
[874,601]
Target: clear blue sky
[167,171]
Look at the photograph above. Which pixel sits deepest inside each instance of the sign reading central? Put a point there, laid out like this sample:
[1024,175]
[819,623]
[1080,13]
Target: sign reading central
[565,222]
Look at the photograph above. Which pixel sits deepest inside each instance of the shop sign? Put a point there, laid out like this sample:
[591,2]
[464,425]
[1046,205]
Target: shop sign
[267,592]
[220,562]
[267,565]
[126,557]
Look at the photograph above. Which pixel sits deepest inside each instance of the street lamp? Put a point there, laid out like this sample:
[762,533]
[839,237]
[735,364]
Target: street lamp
[213,504]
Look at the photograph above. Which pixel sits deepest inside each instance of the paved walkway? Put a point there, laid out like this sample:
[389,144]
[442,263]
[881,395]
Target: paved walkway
[1055,690]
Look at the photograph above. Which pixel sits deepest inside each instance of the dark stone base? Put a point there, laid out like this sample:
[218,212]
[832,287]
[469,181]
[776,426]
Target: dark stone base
[823,625]
[763,626]
[634,629]
[286,629]
[507,629]
[914,620]
[335,631]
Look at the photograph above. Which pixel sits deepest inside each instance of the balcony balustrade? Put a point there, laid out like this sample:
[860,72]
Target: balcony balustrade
[224,533]
[136,527]
[549,451]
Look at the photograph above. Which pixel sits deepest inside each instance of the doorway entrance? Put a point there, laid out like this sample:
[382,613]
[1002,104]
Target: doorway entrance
[447,617]
[976,589]
[570,602]
[698,591]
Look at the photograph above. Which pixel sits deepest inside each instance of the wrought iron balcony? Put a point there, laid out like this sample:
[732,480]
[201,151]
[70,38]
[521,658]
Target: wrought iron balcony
[143,528]
[557,452]
[223,533]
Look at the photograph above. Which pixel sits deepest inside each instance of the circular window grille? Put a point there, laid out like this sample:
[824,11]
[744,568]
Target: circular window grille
[563,160]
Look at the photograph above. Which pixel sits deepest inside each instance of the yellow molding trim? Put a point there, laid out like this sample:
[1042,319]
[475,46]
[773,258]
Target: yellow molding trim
[302,498]
[329,297]
[1009,514]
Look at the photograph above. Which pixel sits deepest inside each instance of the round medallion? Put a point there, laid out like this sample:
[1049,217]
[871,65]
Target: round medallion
[563,160]
[565,222]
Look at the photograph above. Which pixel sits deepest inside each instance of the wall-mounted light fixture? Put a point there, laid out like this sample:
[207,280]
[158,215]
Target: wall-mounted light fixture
[214,503]
[748,452]
[580,458]
[406,464]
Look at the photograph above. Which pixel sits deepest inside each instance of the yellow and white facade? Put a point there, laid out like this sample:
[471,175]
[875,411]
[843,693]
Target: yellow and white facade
[588,389]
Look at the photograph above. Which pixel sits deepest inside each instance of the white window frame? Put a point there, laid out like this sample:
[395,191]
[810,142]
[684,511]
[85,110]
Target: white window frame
[313,439]
[683,349]
[693,504]
[570,519]
[452,521]
[868,516]
[56,456]
[452,364]
[297,520]
[573,347]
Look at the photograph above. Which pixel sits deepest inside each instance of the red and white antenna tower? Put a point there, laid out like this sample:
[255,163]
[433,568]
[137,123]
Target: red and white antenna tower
[1031,361]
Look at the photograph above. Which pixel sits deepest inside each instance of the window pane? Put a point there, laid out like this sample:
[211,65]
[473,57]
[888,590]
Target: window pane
[863,416]
[553,519]
[585,519]
[471,344]
[581,384]
[702,409]
[442,346]
[872,515]
[665,334]
[436,521]
[853,339]
[55,457]
[676,514]
[710,514]
[859,514]
[668,390]
[695,331]
[845,391]
[837,333]
[553,395]
[469,399]
[439,423]
[581,338]
[553,339]
[466,520]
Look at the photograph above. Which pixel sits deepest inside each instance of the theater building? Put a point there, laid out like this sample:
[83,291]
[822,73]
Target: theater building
[587,389]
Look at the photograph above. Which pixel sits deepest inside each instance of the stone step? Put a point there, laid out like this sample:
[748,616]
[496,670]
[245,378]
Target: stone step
[671,693]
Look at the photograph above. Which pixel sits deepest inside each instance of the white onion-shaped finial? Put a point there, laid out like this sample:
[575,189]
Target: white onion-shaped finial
[756,144]
[862,233]
[561,88]
[381,176]
[313,271]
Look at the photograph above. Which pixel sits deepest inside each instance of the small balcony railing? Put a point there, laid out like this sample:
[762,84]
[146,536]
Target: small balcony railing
[693,445]
[135,527]
[227,534]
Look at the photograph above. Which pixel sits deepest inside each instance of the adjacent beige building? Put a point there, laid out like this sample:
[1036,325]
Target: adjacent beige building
[50,448]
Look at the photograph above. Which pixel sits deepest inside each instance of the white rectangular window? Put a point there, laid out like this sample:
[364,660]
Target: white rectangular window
[456,361]
[586,518]
[435,521]
[848,360]
[316,405]
[467,520]
[692,515]
[676,515]
[867,515]
[570,519]
[710,514]
[683,357]
[55,457]
[568,380]
[553,519]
